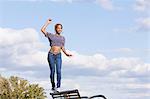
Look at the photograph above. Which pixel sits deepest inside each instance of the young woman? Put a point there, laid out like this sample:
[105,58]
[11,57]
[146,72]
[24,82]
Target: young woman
[57,42]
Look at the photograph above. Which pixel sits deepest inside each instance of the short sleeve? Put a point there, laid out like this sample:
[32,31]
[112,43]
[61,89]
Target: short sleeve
[48,35]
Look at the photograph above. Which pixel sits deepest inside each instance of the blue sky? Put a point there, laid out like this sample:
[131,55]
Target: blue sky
[86,19]
[109,39]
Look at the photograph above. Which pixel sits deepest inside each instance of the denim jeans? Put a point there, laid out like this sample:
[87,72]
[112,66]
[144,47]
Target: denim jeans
[55,60]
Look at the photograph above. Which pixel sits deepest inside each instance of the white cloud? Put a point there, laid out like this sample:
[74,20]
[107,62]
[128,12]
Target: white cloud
[58,1]
[94,61]
[125,50]
[21,47]
[120,50]
[145,68]
[101,62]
[142,5]
[69,1]
[106,4]
[125,63]
[3,69]
[24,48]
[143,23]
[120,87]
[138,86]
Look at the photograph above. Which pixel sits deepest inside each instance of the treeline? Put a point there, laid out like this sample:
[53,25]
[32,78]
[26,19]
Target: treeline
[19,88]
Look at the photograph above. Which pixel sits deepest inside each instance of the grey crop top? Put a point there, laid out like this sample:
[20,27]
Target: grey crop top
[55,40]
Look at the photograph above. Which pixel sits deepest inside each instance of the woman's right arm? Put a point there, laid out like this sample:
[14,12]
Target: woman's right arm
[43,29]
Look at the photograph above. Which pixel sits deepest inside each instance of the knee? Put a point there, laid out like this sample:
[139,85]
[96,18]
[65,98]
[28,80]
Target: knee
[59,72]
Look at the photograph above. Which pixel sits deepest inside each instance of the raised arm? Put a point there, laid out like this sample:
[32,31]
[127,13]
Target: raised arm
[43,29]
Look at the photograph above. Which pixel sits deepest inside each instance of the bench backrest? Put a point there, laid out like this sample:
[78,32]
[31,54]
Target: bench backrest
[71,94]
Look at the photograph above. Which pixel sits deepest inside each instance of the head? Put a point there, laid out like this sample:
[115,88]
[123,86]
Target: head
[58,28]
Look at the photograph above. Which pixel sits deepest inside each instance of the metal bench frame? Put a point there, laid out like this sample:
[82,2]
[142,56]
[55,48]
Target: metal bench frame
[73,94]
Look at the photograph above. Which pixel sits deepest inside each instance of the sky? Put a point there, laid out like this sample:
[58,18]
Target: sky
[109,40]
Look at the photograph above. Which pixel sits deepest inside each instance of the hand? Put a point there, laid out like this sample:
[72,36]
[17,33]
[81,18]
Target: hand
[49,21]
[69,55]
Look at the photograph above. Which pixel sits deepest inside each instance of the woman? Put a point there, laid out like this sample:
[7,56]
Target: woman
[57,42]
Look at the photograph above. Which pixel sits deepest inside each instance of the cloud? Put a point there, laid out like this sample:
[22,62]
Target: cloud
[143,23]
[124,50]
[27,51]
[69,1]
[120,50]
[120,87]
[58,1]
[106,4]
[97,61]
[23,53]
[101,62]
[20,47]
[142,5]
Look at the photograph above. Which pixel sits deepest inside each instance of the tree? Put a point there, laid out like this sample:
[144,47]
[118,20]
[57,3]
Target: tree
[18,88]
[5,90]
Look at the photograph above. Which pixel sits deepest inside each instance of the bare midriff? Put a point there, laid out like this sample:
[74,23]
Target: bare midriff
[55,49]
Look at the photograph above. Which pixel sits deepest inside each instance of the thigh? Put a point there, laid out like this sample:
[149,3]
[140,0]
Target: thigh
[51,60]
[58,61]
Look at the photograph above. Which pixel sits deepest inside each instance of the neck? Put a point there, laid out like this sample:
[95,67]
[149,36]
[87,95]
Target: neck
[57,33]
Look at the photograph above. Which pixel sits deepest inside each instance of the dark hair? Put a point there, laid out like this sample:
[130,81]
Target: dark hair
[57,26]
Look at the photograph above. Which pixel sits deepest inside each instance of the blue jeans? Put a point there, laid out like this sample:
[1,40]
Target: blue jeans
[55,60]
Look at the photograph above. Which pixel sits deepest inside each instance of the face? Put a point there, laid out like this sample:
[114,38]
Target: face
[59,29]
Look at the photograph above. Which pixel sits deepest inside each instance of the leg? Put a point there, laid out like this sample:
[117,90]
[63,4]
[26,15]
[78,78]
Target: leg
[51,61]
[58,68]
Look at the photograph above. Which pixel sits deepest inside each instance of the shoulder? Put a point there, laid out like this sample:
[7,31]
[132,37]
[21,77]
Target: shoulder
[48,34]
[63,37]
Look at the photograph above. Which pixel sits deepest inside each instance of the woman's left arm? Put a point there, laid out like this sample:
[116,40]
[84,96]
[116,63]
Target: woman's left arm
[64,50]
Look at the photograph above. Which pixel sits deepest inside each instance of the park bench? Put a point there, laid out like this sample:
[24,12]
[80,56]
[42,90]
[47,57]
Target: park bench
[73,94]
